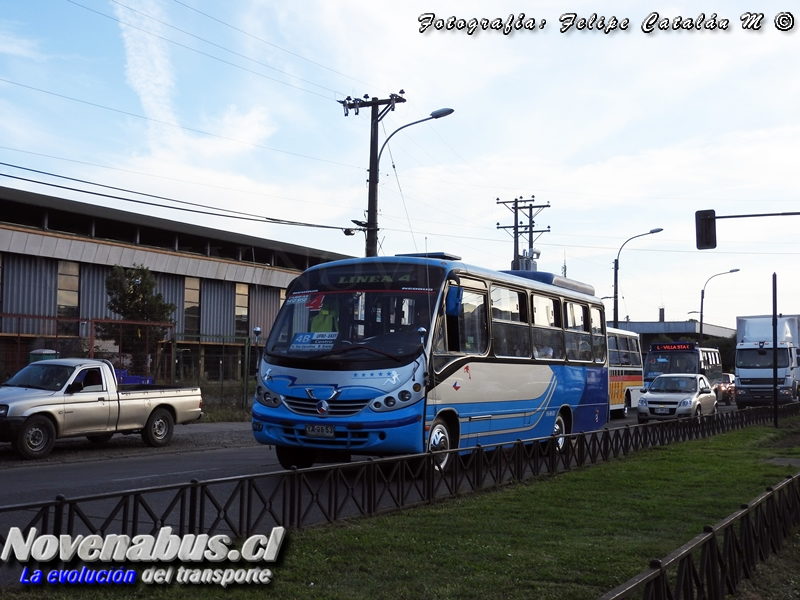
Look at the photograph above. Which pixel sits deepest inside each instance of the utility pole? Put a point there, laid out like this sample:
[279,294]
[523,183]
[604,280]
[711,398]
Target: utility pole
[355,104]
[520,204]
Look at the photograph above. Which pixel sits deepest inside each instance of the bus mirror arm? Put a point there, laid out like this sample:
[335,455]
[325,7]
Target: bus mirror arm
[422,331]
[425,378]
[257,333]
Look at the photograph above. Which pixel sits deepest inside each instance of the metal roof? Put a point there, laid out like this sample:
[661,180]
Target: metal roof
[134,218]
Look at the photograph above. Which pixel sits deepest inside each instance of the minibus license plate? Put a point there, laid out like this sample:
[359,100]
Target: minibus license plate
[661,411]
[325,431]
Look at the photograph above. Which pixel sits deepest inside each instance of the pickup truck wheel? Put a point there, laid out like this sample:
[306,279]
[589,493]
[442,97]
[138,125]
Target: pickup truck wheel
[100,438]
[35,438]
[158,430]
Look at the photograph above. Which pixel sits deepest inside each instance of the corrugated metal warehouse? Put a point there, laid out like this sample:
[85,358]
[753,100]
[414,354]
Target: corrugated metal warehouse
[55,256]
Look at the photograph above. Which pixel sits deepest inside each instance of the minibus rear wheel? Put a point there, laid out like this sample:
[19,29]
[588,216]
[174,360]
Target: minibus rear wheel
[560,432]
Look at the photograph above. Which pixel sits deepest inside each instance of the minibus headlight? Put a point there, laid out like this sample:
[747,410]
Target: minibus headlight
[403,399]
[267,398]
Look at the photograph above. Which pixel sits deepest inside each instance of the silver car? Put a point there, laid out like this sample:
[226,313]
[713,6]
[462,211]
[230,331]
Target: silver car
[673,396]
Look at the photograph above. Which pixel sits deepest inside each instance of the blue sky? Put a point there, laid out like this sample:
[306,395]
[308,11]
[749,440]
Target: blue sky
[234,105]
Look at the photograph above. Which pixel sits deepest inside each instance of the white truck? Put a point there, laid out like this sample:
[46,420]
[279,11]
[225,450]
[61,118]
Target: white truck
[73,397]
[754,364]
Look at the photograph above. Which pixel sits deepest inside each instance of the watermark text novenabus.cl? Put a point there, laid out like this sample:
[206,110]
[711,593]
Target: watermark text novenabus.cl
[164,547]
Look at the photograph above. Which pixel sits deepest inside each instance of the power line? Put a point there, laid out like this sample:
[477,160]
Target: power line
[233,52]
[175,179]
[389,217]
[263,41]
[211,56]
[194,50]
[119,189]
[450,214]
[212,211]
[190,129]
[197,37]
[259,218]
[255,37]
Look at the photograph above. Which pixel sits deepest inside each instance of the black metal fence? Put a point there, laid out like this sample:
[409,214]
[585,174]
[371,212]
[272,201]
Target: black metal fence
[298,498]
[714,563]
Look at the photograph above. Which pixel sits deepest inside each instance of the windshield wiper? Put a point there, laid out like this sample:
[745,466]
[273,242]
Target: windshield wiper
[345,349]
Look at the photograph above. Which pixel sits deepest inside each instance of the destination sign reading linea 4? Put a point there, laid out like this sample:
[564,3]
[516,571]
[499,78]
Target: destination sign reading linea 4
[672,347]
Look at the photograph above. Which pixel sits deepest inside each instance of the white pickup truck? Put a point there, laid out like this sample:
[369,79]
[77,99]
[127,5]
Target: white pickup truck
[73,397]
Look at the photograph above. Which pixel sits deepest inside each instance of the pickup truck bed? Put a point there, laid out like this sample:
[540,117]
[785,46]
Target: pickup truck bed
[54,399]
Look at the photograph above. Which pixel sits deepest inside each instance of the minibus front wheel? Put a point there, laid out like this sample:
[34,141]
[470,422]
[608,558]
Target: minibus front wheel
[289,456]
[440,439]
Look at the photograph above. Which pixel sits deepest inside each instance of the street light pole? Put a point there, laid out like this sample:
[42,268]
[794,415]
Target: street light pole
[616,271]
[703,295]
[374,162]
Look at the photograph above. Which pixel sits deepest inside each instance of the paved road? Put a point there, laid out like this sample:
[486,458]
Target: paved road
[631,418]
[76,467]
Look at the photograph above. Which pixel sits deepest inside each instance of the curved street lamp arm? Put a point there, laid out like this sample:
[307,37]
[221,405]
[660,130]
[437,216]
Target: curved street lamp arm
[616,271]
[386,141]
[437,114]
[374,169]
[656,230]
[703,296]
[717,275]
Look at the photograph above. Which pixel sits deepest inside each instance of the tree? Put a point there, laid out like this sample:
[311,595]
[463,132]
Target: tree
[727,350]
[132,295]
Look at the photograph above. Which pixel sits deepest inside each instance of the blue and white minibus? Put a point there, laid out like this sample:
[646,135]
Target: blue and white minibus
[405,354]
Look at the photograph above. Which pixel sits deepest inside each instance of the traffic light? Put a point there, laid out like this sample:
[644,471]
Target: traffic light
[705,224]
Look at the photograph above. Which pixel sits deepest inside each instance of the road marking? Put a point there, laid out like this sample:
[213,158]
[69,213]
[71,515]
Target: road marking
[164,474]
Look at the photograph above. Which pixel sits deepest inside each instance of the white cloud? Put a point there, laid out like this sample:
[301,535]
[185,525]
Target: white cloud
[148,69]
[17,46]
[620,133]
[236,130]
